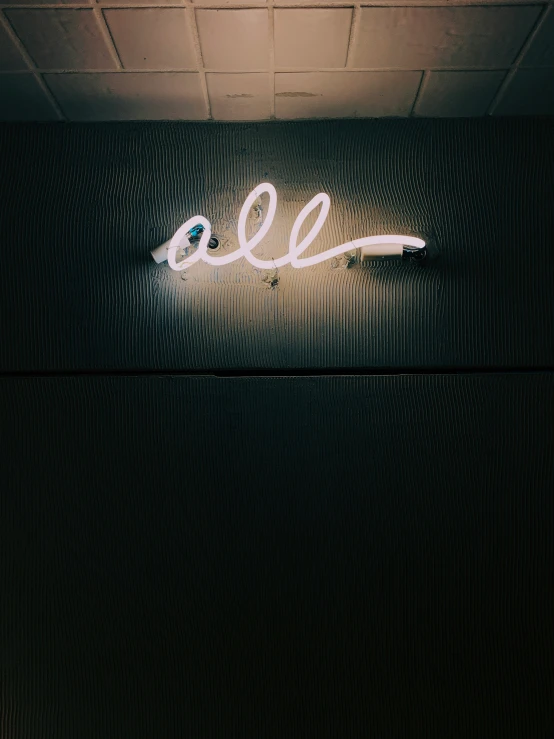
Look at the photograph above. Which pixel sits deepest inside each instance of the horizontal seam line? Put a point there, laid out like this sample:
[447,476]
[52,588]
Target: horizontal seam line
[280,372]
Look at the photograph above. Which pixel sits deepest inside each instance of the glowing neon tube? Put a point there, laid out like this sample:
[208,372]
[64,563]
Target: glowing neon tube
[370,245]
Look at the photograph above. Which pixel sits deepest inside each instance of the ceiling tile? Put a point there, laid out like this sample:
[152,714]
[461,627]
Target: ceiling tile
[344,94]
[460,94]
[62,39]
[10,56]
[234,39]
[239,97]
[23,99]
[153,38]
[129,96]
[426,37]
[312,37]
[541,51]
[230,3]
[530,92]
[140,2]
[49,2]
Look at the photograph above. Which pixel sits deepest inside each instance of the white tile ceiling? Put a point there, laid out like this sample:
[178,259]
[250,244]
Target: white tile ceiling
[250,60]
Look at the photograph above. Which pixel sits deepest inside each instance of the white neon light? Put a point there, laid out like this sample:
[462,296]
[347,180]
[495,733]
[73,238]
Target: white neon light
[370,244]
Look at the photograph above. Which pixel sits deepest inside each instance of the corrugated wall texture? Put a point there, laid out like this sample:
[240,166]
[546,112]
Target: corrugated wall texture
[83,205]
[256,557]
[317,557]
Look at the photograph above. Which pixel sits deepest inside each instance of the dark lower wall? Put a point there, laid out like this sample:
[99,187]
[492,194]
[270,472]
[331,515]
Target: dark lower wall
[319,557]
[82,205]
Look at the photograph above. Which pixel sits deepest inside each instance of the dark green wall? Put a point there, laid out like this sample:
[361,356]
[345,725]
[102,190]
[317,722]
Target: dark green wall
[82,205]
[318,556]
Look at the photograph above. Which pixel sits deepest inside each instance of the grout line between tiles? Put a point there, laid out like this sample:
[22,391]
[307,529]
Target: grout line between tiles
[276,4]
[106,33]
[515,66]
[191,12]
[271,36]
[420,90]
[53,99]
[354,26]
[107,71]
[288,70]
[4,22]
[501,92]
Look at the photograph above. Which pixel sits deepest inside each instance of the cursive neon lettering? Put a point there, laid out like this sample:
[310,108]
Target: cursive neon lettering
[246,245]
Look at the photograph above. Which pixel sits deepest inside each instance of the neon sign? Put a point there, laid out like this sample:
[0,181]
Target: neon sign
[374,245]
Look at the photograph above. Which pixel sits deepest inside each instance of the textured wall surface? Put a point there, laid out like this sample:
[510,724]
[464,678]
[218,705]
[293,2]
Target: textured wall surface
[263,557]
[270,557]
[82,205]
